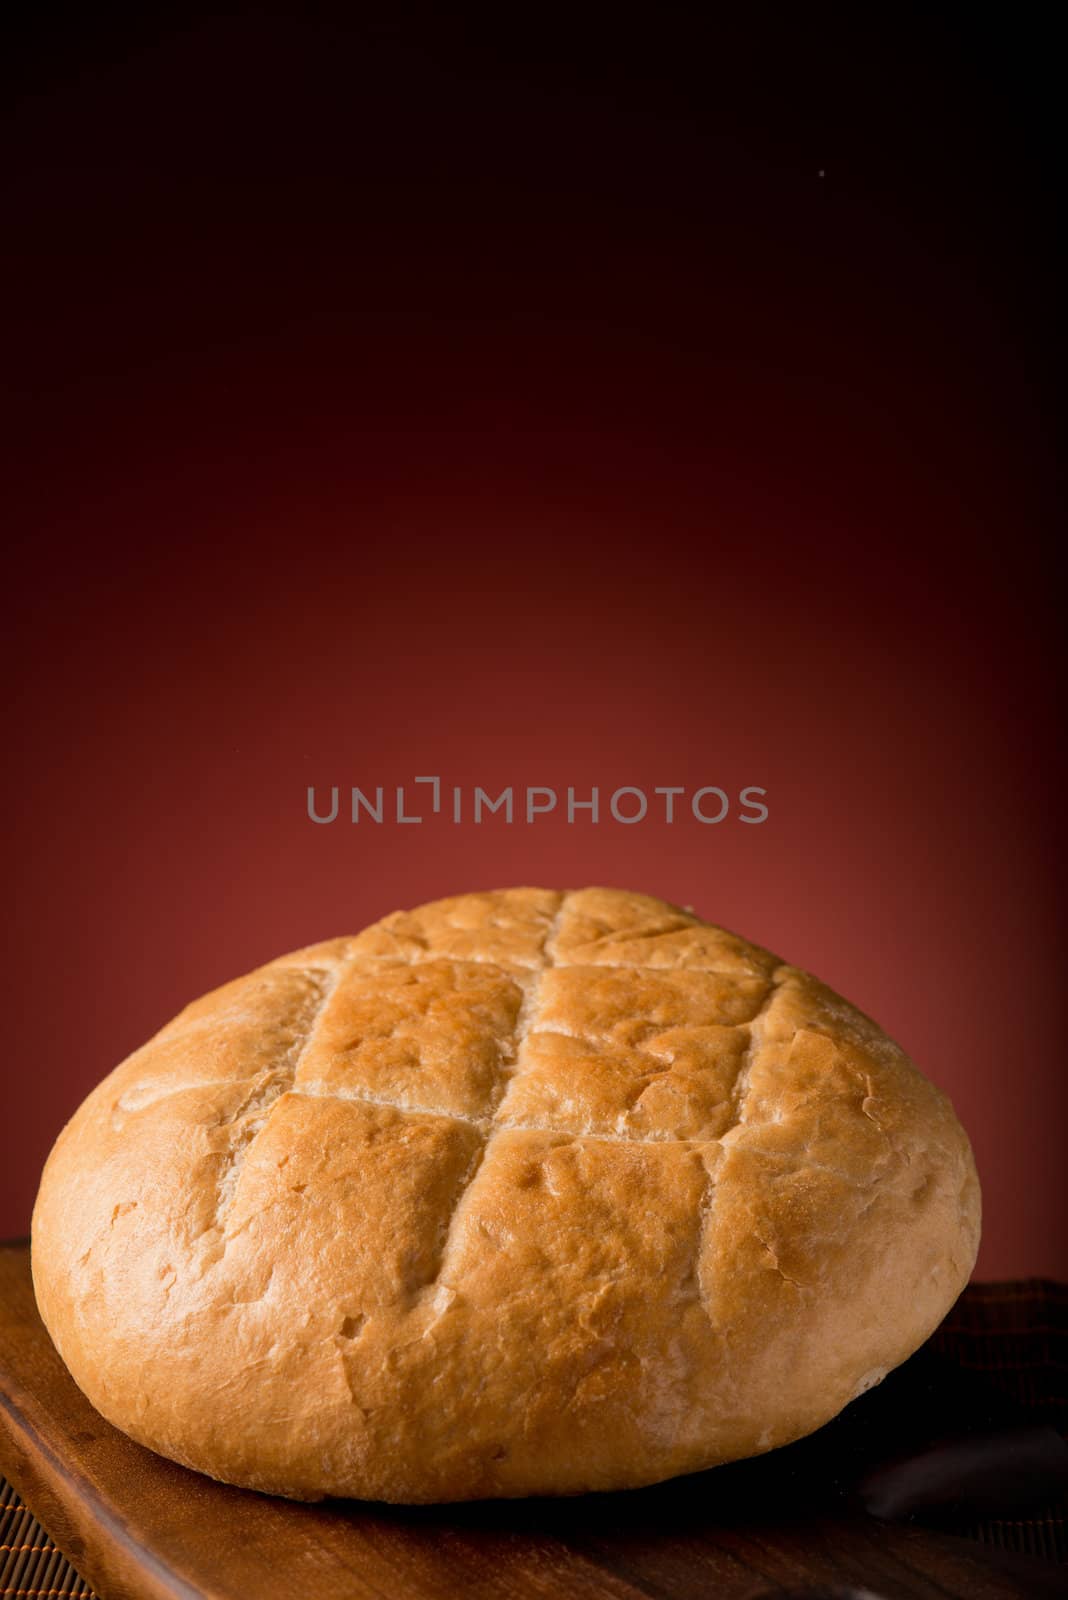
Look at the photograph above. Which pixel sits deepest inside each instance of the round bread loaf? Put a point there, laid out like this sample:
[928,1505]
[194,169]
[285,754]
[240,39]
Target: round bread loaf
[518,1193]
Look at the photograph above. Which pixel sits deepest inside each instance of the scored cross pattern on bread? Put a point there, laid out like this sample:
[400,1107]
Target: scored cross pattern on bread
[523,1191]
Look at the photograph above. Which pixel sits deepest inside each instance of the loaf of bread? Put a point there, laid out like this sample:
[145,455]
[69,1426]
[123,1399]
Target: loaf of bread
[522,1192]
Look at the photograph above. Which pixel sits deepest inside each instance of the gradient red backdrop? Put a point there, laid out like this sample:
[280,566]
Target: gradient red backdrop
[392,406]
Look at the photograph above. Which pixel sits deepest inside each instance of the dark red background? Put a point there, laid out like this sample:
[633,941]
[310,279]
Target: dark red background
[527,408]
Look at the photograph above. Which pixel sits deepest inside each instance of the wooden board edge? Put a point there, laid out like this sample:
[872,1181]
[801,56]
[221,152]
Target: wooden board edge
[87,1531]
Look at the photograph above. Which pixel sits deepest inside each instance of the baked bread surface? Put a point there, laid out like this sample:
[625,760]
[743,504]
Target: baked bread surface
[521,1192]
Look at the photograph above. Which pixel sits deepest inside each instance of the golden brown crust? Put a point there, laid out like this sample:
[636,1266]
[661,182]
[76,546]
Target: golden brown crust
[519,1192]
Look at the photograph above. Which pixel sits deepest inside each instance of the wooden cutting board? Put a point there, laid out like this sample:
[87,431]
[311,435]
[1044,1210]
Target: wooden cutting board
[141,1528]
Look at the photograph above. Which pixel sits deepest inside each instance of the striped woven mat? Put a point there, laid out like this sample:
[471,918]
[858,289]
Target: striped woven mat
[30,1564]
[1014,1334]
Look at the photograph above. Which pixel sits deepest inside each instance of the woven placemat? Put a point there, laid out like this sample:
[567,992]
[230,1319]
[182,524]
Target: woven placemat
[1015,1334]
[30,1564]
